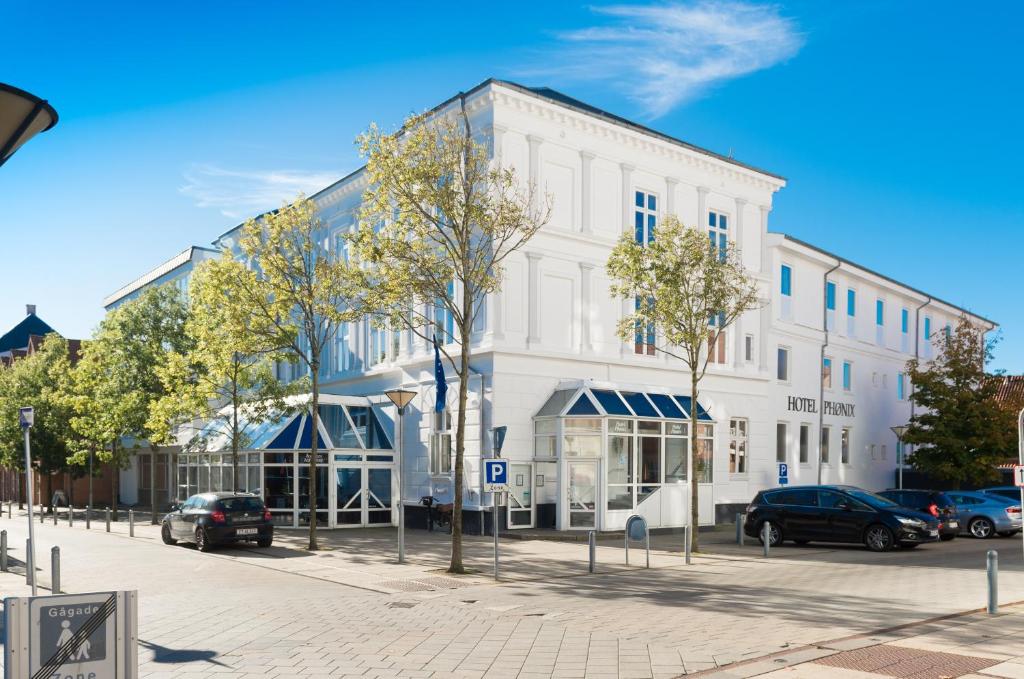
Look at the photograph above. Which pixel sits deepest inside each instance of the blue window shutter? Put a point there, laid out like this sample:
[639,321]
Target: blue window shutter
[787,280]
[851,302]
[904,320]
[880,312]
[830,296]
[927,327]
[846,375]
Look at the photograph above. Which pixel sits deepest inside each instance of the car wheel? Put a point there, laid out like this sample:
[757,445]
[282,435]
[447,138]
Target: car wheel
[981,528]
[165,535]
[774,535]
[878,538]
[202,541]
[948,537]
[264,542]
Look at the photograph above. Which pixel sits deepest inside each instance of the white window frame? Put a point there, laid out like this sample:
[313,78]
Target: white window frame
[441,433]
[644,210]
[738,441]
[789,364]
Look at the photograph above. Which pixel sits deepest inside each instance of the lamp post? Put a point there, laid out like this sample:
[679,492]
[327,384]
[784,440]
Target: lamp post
[26,417]
[401,398]
[1020,453]
[900,454]
[22,116]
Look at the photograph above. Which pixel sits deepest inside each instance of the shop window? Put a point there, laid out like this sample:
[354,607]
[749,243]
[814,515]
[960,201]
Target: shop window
[441,443]
[805,437]
[676,459]
[544,438]
[705,453]
[620,472]
[826,441]
[738,441]
[844,451]
[781,434]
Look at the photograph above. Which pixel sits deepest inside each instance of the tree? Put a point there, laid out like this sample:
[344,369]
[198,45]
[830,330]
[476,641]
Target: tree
[289,301]
[118,383]
[38,380]
[439,219]
[685,293]
[227,376]
[960,431]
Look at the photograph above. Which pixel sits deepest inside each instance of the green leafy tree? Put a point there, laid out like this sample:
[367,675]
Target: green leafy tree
[960,431]
[685,294]
[118,382]
[438,220]
[227,377]
[290,299]
[38,380]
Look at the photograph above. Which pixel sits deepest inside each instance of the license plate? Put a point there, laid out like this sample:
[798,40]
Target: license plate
[933,533]
[954,524]
[247,531]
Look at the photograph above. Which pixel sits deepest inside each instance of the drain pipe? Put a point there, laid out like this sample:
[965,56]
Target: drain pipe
[821,364]
[917,354]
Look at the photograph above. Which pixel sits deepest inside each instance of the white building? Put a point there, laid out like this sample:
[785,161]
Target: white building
[595,426]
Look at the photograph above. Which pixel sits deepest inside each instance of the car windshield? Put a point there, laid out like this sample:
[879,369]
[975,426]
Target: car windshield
[876,501]
[242,504]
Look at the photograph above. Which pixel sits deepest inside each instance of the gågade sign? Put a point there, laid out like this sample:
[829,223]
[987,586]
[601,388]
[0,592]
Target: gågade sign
[802,404]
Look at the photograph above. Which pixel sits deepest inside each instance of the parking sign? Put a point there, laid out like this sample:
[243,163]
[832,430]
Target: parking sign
[1018,475]
[495,475]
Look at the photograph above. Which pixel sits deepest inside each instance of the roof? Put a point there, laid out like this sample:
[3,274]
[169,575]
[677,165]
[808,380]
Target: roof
[844,260]
[560,99]
[180,259]
[1011,389]
[20,335]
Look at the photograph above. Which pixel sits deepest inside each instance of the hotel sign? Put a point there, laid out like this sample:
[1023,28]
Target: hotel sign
[802,404]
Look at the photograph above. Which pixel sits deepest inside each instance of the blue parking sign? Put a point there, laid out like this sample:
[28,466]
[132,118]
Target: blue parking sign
[495,475]
[783,470]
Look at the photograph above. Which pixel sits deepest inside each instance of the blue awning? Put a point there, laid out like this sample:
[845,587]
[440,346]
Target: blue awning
[588,400]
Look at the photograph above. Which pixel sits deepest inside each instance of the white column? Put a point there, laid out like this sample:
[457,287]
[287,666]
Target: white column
[670,196]
[534,143]
[741,205]
[533,311]
[764,237]
[586,199]
[627,196]
[586,345]
[494,312]
[762,338]
[737,342]
[497,140]
[702,208]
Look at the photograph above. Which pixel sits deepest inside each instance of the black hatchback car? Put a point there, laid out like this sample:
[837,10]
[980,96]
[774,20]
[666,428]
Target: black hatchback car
[933,502]
[210,519]
[837,514]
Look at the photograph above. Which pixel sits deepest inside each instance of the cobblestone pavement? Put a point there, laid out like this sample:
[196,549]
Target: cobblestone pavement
[352,611]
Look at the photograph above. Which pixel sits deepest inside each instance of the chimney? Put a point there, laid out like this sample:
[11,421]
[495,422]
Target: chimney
[30,309]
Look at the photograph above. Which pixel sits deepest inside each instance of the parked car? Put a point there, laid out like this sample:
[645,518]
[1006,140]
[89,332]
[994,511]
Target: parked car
[837,514]
[210,519]
[933,502]
[1009,492]
[985,514]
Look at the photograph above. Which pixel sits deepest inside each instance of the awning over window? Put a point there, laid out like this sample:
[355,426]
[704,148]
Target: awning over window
[346,422]
[591,399]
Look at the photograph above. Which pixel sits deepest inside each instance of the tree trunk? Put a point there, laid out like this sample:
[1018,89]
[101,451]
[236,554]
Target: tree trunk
[234,444]
[152,484]
[460,449]
[313,546]
[694,490]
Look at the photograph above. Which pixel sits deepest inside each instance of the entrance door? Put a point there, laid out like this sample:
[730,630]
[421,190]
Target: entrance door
[582,494]
[520,496]
[362,496]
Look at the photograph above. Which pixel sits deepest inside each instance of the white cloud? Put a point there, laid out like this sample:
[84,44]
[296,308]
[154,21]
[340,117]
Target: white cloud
[665,55]
[239,194]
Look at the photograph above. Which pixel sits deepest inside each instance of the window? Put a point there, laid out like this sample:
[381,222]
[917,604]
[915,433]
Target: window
[780,441]
[643,342]
[874,379]
[826,373]
[899,386]
[826,441]
[444,323]
[873,451]
[544,438]
[927,327]
[378,344]
[645,217]
[879,312]
[885,451]
[342,348]
[737,445]
[805,435]
[847,370]
[748,348]
[830,296]
[904,321]
[716,347]
[782,371]
[851,302]
[948,331]
[787,280]
[844,449]
[718,232]
[441,443]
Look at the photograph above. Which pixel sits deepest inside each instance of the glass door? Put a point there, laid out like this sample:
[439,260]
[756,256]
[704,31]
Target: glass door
[377,500]
[349,496]
[582,494]
[363,496]
[520,496]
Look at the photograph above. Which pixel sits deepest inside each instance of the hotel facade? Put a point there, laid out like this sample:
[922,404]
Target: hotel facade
[597,428]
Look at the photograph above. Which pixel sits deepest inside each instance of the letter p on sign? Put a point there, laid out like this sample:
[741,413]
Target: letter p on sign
[495,475]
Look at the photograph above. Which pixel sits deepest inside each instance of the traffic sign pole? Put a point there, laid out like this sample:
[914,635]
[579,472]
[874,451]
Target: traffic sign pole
[1018,476]
[27,418]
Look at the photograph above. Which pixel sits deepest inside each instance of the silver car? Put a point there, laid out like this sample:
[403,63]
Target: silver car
[983,515]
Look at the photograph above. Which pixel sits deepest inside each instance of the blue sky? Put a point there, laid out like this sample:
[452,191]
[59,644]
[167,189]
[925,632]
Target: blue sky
[898,125]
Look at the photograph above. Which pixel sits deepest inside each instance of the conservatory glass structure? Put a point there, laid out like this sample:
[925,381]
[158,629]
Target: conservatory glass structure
[619,452]
[355,479]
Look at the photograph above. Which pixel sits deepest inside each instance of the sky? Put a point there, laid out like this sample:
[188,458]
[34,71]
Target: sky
[897,124]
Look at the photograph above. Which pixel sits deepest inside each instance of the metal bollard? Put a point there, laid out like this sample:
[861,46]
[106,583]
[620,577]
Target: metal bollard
[686,547]
[3,551]
[42,516]
[739,528]
[766,536]
[992,565]
[29,566]
[593,550]
[54,510]
[71,516]
[55,570]
[88,516]
[108,519]
[131,523]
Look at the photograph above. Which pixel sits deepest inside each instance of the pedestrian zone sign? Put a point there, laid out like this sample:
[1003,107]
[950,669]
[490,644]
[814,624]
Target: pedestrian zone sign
[1018,475]
[495,476]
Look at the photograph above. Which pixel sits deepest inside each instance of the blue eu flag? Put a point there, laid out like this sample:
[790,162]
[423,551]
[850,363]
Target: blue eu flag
[442,385]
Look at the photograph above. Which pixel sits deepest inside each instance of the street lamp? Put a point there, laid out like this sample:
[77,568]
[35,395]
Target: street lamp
[899,430]
[401,398]
[26,417]
[22,116]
